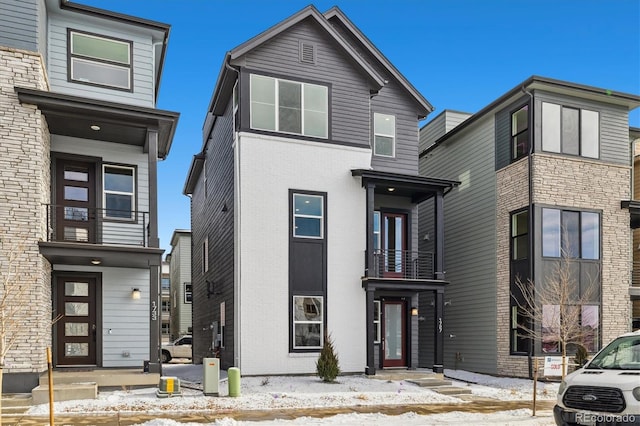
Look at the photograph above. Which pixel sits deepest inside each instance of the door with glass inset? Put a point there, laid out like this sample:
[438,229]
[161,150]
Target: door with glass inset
[76,328]
[75,201]
[394,334]
[394,243]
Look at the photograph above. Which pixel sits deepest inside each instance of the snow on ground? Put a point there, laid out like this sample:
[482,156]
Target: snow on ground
[289,392]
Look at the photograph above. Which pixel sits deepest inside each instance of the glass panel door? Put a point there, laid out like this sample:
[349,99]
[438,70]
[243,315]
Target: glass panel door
[76,329]
[394,341]
[75,211]
[394,244]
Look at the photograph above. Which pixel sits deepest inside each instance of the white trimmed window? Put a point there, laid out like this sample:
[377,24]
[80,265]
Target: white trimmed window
[100,60]
[289,107]
[376,320]
[384,135]
[308,211]
[188,293]
[119,196]
[308,325]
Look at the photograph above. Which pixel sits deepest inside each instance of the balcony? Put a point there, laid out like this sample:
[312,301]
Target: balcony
[402,265]
[635,274]
[97,226]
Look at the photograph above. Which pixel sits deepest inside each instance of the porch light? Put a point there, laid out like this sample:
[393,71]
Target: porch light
[135,294]
[96,261]
[391,189]
[414,311]
[95,127]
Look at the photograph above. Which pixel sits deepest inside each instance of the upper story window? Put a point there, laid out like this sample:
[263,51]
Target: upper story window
[100,60]
[384,135]
[520,132]
[570,130]
[165,283]
[571,234]
[119,192]
[188,293]
[289,107]
[308,212]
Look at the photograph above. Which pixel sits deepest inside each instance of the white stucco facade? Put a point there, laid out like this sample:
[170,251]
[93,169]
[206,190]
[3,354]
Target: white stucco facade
[266,169]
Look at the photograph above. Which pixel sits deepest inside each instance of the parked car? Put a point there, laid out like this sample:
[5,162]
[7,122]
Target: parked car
[606,390]
[179,348]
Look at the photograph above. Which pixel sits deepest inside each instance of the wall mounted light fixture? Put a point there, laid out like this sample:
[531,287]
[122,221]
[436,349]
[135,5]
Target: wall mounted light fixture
[96,261]
[135,294]
[414,311]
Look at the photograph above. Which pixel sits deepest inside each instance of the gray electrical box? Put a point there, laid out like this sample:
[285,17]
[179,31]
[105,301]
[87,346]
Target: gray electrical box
[211,376]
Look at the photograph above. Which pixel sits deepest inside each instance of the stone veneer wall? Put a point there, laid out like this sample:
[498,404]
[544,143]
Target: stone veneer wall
[583,183]
[567,182]
[24,189]
[512,183]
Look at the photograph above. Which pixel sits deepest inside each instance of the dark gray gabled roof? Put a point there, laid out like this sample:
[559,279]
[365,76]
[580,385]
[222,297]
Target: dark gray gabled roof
[335,12]
[222,89]
[630,101]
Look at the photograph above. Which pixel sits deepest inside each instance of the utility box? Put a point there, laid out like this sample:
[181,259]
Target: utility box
[168,386]
[211,376]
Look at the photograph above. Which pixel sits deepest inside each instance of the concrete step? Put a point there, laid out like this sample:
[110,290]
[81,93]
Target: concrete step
[104,378]
[452,390]
[16,403]
[430,382]
[65,392]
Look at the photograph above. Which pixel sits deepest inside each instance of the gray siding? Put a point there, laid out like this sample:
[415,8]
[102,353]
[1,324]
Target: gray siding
[180,274]
[143,62]
[19,24]
[614,125]
[209,220]
[349,92]
[470,247]
[446,121]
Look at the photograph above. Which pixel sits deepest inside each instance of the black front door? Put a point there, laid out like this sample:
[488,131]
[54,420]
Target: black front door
[76,326]
[75,201]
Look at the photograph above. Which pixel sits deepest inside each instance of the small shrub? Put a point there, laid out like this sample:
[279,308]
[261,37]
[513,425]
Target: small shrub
[327,366]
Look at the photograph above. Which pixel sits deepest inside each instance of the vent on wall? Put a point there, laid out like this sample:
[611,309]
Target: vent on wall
[307,52]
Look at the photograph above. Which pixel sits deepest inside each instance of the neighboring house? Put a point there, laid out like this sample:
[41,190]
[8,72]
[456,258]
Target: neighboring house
[634,138]
[304,207]
[543,169]
[181,290]
[165,301]
[80,138]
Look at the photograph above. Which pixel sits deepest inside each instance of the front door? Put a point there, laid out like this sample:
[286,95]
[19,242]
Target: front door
[394,334]
[75,201]
[394,240]
[76,328]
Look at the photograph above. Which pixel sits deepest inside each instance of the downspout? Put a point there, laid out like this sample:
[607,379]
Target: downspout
[530,229]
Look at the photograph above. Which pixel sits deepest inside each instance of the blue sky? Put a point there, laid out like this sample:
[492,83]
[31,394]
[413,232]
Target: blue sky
[460,54]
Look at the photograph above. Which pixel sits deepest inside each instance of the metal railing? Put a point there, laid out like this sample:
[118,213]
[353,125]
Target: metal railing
[402,264]
[97,225]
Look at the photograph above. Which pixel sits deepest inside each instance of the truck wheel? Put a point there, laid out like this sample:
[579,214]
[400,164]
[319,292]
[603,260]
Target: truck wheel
[166,356]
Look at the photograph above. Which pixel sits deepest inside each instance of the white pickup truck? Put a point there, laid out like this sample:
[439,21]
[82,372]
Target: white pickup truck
[179,348]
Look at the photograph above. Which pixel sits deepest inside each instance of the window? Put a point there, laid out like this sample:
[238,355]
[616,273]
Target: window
[308,326]
[520,235]
[205,255]
[119,192]
[570,130]
[165,283]
[520,132]
[100,60]
[166,306]
[569,233]
[308,212]
[289,107]
[384,135]
[188,293]
[376,231]
[519,326]
[587,315]
[376,320]
[165,329]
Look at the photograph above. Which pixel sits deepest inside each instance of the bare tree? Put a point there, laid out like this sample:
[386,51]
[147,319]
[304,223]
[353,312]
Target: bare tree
[559,311]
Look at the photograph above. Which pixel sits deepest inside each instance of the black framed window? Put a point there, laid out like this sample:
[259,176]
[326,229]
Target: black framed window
[520,343]
[188,293]
[569,130]
[574,234]
[520,132]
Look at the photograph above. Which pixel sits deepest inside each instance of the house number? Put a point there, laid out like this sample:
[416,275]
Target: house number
[440,325]
[154,311]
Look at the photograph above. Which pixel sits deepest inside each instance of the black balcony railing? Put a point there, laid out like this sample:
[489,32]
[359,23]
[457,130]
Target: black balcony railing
[402,264]
[97,226]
